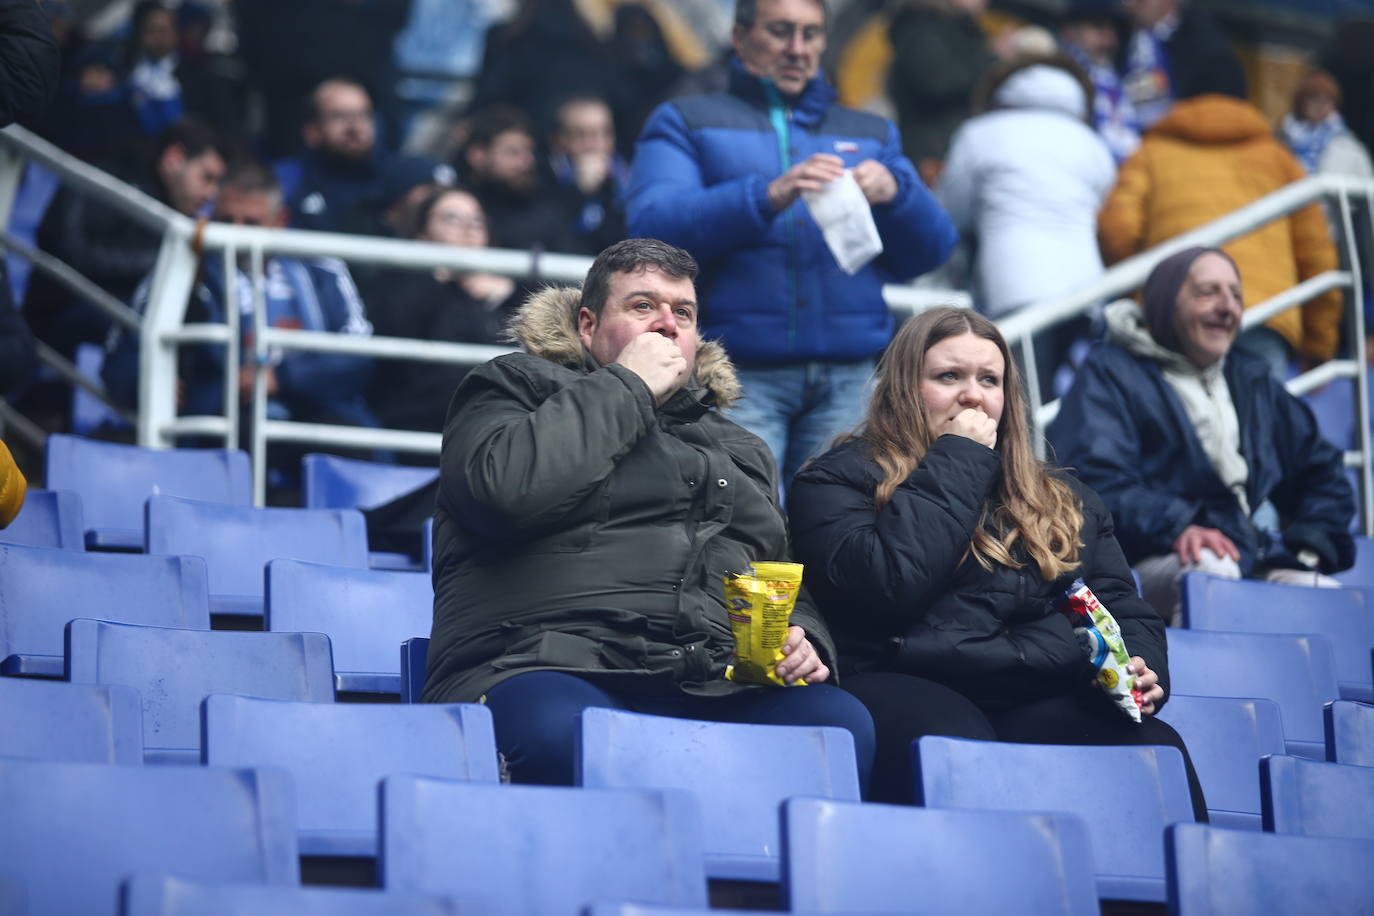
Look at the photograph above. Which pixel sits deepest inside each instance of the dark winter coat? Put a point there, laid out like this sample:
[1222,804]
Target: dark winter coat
[901,593]
[1122,429]
[29,61]
[581,529]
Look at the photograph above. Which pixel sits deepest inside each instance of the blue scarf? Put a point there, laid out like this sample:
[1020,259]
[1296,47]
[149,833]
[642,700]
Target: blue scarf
[1307,140]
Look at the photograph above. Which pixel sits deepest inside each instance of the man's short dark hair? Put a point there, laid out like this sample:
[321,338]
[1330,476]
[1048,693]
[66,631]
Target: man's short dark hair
[194,136]
[251,177]
[492,122]
[627,257]
[745,10]
[312,101]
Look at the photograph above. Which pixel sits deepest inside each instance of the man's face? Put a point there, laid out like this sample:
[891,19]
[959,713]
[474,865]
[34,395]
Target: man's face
[1097,39]
[250,208]
[191,182]
[1207,314]
[157,36]
[586,129]
[784,44]
[1147,13]
[643,301]
[343,124]
[508,160]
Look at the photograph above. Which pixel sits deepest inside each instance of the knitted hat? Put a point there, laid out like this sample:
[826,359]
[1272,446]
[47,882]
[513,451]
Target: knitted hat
[1159,298]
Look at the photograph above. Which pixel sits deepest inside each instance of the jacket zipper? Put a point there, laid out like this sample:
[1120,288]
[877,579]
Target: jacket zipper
[781,118]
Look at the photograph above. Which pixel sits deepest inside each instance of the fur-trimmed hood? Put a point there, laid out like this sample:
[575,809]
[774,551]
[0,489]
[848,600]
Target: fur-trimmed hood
[546,327]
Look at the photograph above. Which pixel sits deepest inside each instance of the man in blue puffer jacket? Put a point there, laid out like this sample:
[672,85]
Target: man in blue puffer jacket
[721,175]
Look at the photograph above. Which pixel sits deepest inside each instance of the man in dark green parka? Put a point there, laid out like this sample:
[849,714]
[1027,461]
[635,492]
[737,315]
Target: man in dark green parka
[591,499]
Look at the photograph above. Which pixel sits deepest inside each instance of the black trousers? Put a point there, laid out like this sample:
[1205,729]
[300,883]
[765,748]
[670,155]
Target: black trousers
[905,707]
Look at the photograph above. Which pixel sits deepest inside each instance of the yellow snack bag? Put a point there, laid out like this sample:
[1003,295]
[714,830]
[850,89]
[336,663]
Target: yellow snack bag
[760,605]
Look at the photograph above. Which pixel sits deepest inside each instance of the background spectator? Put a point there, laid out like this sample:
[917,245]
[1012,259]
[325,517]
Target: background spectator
[184,172]
[1317,134]
[1023,182]
[308,294]
[1090,32]
[1175,52]
[213,85]
[1212,154]
[939,55]
[708,175]
[589,176]
[461,307]
[151,66]
[500,167]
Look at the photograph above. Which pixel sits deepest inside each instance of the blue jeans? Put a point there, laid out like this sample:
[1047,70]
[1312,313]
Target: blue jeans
[535,717]
[798,408]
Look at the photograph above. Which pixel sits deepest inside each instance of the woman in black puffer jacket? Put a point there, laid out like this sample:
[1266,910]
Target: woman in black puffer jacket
[937,546]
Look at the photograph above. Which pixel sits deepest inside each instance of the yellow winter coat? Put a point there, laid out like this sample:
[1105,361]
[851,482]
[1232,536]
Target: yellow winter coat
[12,487]
[1209,156]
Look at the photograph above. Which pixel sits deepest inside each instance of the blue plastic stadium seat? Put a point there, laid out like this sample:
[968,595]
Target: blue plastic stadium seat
[75,723]
[149,895]
[1342,615]
[1226,738]
[1349,733]
[1109,787]
[1313,798]
[42,588]
[366,613]
[331,482]
[338,753]
[1216,872]
[414,659]
[175,670]
[739,774]
[646,909]
[75,831]
[49,518]
[115,480]
[540,851]
[868,858]
[427,544]
[238,541]
[1296,672]
[1361,574]
[14,895]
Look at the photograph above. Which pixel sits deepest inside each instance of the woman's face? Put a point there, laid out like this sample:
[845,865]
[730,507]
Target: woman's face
[961,373]
[456,219]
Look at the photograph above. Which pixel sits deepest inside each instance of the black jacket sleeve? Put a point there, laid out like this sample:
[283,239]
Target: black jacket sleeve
[898,558]
[28,61]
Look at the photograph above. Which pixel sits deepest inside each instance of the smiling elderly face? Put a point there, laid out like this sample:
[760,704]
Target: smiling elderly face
[1207,312]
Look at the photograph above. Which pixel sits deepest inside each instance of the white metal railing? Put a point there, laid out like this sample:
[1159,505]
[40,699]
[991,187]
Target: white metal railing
[184,241]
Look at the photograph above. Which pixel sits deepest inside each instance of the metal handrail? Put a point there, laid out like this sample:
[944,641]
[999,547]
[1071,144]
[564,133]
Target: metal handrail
[175,271]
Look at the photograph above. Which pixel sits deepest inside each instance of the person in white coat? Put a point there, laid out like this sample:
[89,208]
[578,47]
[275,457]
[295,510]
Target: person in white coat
[1023,182]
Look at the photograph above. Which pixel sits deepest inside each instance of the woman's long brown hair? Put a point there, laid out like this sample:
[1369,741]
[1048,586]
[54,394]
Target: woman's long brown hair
[1029,504]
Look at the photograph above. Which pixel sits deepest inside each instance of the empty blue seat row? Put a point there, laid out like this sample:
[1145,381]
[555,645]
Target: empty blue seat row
[1349,733]
[48,518]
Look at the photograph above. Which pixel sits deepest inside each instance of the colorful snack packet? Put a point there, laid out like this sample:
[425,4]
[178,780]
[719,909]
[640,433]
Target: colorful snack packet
[760,605]
[1100,638]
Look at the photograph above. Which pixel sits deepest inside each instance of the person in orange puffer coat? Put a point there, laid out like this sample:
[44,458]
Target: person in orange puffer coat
[1211,154]
[12,487]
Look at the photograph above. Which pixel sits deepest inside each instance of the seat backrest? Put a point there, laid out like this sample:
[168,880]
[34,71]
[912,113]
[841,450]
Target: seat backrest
[1349,733]
[115,480]
[1315,798]
[845,857]
[1214,872]
[76,830]
[331,482]
[1147,787]
[339,752]
[153,895]
[366,612]
[723,765]
[48,518]
[537,850]
[238,541]
[414,661]
[1342,615]
[1226,737]
[1361,574]
[42,588]
[175,670]
[75,723]
[1295,671]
